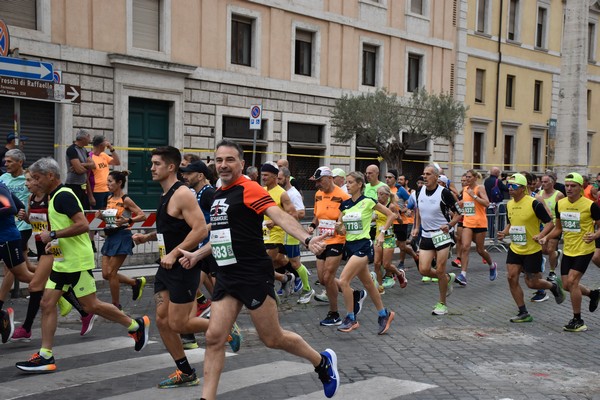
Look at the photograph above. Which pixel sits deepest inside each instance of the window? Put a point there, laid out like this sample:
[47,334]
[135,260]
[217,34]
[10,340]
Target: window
[303,53]
[22,13]
[308,133]
[540,33]
[146,24]
[369,65]
[536,154]
[537,95]
[414,72]
[589,104]
[239,128]
[478,149]
[510,91]
[479,85]
[513,20]
[482,11]
[591,42]
[241,40]
[508,152]
[416,7]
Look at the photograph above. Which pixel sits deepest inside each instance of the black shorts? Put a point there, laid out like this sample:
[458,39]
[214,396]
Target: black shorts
[279,246]
[578,263]
[181,283]
[401,232]
[252,290]
[373,232]
[359,248]
[427,243]
[331,250]
[530,263]
[25,236]
[12,253]
[476,230]
[209,265]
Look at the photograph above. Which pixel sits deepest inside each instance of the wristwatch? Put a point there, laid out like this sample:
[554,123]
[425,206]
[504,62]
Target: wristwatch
[307,240]
[52,235]
[475,197]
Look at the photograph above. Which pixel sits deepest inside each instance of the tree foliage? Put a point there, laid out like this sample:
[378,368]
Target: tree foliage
[377,119]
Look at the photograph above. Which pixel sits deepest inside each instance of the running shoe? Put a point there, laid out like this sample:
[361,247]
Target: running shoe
[188,340]
[322,297]
[551,276]
[434,280]
[440,309]
[21,335]
[380,289]
[359,299]
[332,318]
[461,280]
[493,271]
[235,338]
[288,286]
[140,336]
[87,323]
[540,296]
[373,277]
[522,317]
[348,325]
[7,324]
[328,373]
[558,291]
[203,309]
[402,278]
[138,288]
[401,265]
[456,263]
[594,297]
[37,364]
[388,282]
[306,296]
[298,285]
[385,322]
[179,379]
[64,307]
[451,278]
[575,325]
[425,279]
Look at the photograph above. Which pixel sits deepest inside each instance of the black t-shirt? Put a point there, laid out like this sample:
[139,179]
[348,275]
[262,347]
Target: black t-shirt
[65,202]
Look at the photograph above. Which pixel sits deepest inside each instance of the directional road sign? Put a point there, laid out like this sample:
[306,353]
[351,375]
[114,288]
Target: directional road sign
[20,68]
[39,90]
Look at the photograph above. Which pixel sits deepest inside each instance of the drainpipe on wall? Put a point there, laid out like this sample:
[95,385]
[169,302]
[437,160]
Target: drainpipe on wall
[498,74]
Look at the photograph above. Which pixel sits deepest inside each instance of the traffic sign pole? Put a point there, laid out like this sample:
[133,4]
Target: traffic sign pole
[255,125]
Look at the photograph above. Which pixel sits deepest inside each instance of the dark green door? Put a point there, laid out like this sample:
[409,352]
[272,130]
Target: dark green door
[148,129]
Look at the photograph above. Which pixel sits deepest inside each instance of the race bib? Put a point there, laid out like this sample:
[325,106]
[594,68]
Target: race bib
[353,223]
[518,235]
[439,238]
[469,208]
[162,250]
[222,248]
[326,227]
[570,221]
[110,217]
[39,222]
[56,251]
[266,231]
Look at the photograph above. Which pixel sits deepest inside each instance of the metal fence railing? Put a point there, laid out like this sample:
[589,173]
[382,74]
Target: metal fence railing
[496,216]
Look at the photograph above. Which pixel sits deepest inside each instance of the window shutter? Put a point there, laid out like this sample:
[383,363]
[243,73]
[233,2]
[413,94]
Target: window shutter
[146,24]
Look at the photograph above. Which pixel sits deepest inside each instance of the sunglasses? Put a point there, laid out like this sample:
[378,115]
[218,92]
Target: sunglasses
[513,186]
[390,177]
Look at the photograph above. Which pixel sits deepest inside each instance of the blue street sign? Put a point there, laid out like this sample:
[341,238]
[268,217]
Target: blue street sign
[19,68]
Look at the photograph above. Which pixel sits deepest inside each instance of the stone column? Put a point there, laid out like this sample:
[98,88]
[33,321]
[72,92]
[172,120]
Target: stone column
[571,133]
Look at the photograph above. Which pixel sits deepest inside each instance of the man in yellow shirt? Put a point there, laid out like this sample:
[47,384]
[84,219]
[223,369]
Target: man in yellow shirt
[576,218]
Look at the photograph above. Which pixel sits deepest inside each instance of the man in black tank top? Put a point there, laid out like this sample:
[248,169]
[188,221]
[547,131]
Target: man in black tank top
[180,225]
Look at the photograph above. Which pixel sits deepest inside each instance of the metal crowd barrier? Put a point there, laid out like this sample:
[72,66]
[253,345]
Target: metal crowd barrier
[496,216]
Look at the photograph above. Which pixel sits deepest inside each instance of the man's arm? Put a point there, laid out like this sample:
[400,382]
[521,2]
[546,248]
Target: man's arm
[80,225]
[293,227]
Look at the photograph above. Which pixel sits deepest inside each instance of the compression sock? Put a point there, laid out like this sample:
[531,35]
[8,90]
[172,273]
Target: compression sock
[32,309]
[303,272]
[69,295]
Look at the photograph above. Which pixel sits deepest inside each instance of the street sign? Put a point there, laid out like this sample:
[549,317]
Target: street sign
[39,90]
[255,117]
[4,39]
[20,68]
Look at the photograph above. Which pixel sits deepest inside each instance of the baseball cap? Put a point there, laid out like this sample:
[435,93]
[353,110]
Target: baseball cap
[12,136]
[443,179]
[574,177]
[519,179]
[338,172]
[321,172]
[196,166]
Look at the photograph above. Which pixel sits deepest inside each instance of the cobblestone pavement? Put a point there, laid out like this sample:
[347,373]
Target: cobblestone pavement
[474,352]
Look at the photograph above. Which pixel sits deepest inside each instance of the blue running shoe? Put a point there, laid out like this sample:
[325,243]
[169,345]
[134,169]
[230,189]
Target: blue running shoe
[359,299]
[298,285]
[493,271]
[328,374]
[235,338]
[332,319]
[461,280]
